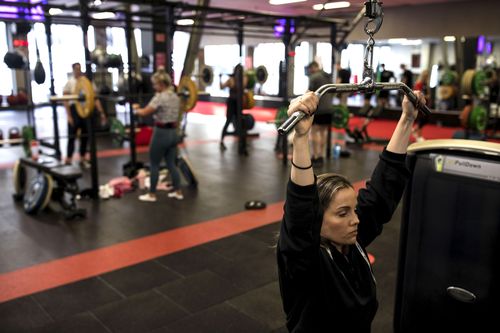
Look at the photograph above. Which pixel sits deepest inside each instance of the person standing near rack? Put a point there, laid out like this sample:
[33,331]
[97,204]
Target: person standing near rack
[232,101]
[383,95]
[406,78]
[76,122]
[165,107]
[323,116]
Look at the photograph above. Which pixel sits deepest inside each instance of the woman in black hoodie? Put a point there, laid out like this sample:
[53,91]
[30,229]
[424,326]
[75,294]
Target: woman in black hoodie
[326,281]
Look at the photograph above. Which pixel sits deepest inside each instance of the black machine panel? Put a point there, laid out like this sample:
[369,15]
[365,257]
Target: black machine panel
[449,260]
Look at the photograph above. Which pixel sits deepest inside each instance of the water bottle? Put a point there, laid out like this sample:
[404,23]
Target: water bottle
[336,151]
[34,149]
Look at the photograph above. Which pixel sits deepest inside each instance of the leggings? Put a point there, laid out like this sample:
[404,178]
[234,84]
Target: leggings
[78,123]
[164,145]
[231,105]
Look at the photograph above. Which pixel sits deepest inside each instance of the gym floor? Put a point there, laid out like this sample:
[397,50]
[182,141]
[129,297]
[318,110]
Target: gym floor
[204,264]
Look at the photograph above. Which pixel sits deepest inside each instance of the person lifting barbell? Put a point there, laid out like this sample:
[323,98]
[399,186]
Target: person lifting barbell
[76,116]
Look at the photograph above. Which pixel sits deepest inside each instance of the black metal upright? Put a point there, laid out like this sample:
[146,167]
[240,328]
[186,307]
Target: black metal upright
[242,131]
[335,48]
[94,190]
[128,37]
[169,43]
[287,37]
[48,33]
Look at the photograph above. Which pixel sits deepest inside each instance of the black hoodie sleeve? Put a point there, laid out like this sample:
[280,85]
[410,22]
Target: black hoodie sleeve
[299,239]
[378,201]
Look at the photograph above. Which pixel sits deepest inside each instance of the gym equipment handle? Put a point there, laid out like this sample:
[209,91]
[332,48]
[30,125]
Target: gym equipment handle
[297,116]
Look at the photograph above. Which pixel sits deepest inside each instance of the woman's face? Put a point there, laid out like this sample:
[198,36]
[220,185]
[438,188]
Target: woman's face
[158,86]
[340,221]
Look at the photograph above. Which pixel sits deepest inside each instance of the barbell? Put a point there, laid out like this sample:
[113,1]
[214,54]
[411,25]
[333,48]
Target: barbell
[83,95]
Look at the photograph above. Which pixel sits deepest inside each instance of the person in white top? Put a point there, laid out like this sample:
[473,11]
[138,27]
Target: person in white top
[75,122]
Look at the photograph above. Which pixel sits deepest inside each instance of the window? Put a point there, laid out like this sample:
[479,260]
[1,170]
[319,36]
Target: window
[261,58]
[222,58]
[37,37]
[181,42]
[6,73]
[67,49]
[324,56]
[301,81]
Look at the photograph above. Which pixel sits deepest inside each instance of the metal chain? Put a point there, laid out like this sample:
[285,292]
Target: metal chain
[376,16]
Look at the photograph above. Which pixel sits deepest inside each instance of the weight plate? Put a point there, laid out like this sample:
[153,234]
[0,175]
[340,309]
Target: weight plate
[261,74]
[117,130]
[445,92]
[248,100]
[248,121]
[84,88]
[207,75]
[19,179]
[340,117]
[466,83]
[479,83]
[449,78]
[188,92]
[251,79]
[48,195]
[35,197]
[478,118]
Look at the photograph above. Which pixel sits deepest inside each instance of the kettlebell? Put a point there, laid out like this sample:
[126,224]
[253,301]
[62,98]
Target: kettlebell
[22,97]
[12,99]
[14,133]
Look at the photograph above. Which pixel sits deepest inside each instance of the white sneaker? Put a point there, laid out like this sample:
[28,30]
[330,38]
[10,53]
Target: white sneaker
[147,197]
[175,195]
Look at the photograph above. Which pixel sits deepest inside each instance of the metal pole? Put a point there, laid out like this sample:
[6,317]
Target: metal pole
[128,37]
[169,31]
[94,190]
[242,131]
[333,42]
[48,32]
[286,40]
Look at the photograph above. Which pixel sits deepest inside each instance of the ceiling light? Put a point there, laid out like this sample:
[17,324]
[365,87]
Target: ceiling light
[185,22]
[55,11]
[449,38]
[103,15]
[283,2]
[332,5]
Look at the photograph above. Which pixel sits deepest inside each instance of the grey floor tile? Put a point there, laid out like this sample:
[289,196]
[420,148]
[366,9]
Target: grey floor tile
[139,313]
[22,314]
[77,297]
[262,304]
[138,278]
[221,318]
[200,291]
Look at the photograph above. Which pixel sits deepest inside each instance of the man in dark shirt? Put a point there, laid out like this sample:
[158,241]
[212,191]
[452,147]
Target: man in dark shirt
[383,95]
[406,78]
[323,119]
[343,76]
[326,280]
